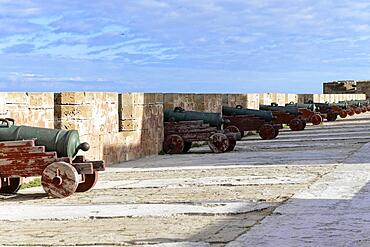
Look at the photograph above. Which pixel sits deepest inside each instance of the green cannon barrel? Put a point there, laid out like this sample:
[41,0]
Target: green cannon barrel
[356,102]
[179,114]
[65,142]
[234,111]
[309,106]
[343,105]
[274,107]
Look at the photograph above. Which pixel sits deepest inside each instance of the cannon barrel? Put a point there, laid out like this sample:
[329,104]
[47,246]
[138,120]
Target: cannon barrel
[179,114]
[274,107]
[356,102]
[239,110]
[343,105]
[66,143]
[310,106]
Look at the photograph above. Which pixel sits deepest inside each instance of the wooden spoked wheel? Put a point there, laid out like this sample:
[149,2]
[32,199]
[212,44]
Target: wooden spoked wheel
[218,143]
[296,125]
[173,144]
[233,129]
[60,179]
[343,114]
[358,110]
[331,116]
[89,181]
[267,132]
[316,119]
[351,112]
[277,130]
[10,185]
[232,144]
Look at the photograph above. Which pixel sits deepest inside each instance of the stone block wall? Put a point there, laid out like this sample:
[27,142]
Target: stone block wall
[193,102]
[250,101]
[128,126]
[118,127]
[28,108]
[331,98]
[363,87]
[141,123]
[340,87]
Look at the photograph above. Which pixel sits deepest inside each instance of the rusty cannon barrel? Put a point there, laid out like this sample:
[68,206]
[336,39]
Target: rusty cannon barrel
[239,111]
[179,114]
[293,110]
[66,143]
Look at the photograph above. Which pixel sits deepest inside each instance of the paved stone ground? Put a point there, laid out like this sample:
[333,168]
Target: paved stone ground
[306,188]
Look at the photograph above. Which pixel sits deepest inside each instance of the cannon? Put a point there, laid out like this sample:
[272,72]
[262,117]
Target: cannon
[242,119]
[364,105]
[333,110]
[289,115]
[65,142]
[52,154]
[308,112]
[179,114]
[182,128]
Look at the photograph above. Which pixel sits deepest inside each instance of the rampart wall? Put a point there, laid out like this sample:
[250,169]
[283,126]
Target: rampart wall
[121,127]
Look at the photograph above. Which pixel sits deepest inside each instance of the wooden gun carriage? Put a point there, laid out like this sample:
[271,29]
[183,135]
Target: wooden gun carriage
[182,128]
[61,175]
[241,119]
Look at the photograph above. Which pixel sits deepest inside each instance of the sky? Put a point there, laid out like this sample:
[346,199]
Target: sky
[241,46]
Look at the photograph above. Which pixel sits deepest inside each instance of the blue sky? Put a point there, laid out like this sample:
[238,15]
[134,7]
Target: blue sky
[182,45]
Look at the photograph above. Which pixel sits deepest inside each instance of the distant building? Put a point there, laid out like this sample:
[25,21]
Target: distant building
[347,86]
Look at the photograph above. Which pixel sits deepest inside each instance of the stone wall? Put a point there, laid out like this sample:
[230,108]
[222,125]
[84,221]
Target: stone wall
[363,87]
[193,102]
[340,87]
[128,126]
[28,108]
[251,101]
[331,98]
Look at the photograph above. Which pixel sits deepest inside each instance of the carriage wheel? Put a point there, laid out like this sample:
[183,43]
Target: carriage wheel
[304,124]
[218,143]
[343,114]
[60,179]
[316,119]
[10,185]
[242,134]
[174,144]
[90,181]
[351,112]
[364,109]
[358,110]
[187,146]
[232,144]
[277,130]
[233,129]
[331,116]
[267,132]
[296,124]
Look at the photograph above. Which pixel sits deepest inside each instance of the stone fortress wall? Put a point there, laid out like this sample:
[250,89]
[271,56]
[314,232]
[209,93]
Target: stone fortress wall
[121,127]
[347,87]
